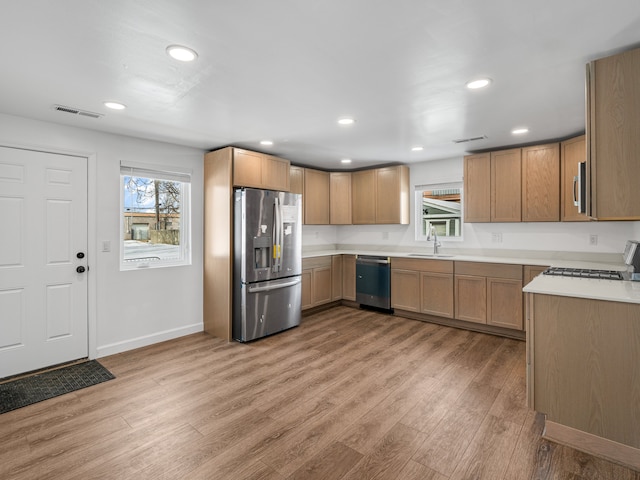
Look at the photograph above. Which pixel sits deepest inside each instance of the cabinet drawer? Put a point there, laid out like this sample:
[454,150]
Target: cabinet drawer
[423,265]
[495,270]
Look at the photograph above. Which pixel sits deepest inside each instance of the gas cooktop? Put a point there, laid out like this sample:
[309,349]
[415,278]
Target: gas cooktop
[584,273]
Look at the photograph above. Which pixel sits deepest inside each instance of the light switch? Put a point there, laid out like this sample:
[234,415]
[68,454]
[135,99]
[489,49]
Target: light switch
[106,245]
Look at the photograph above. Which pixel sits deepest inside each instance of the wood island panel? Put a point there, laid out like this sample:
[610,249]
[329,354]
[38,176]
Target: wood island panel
[585,357]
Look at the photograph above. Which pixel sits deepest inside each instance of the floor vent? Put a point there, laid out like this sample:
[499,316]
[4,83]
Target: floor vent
[472,139]
[77,111]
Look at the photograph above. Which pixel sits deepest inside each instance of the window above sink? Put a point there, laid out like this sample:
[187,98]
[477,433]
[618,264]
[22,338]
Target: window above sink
[439,206]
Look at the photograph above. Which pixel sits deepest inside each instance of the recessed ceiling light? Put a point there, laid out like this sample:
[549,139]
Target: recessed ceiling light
[417,148]
[478,83]
[266,142]
[519,131]
[346,121]
[345,160]
[183,54]
[115,105]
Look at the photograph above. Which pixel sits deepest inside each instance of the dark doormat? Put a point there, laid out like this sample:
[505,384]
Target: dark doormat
[42,386]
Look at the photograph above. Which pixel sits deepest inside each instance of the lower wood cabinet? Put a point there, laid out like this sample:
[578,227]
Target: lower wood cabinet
[422,286]
[336,277]
[349,277]
[489,293]
[316,281]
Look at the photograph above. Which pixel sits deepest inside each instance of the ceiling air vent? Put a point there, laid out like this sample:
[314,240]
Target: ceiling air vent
[472,139]
[77,111]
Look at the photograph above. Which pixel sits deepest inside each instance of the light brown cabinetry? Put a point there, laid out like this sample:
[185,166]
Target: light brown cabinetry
[381,196]
[613,136]
[224,169]
[541,183]
[572,152]
[296,179]
[489,293]
[422,286]
[477,188]
[336,277]
[364,197]
[258,170]
[349,277]
[506,185]
[316,281]
[316,197]
[340,198]
[582,356]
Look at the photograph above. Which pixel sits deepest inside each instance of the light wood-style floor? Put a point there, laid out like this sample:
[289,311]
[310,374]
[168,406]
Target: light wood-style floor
[350,394]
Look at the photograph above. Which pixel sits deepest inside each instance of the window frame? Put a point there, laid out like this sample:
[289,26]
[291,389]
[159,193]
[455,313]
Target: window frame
[419,189]
[158,172]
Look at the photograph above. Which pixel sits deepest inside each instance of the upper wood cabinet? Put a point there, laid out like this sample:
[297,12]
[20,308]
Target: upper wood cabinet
[258,170]
[477,188]
[506,185]
[296,179]
[392,195]
[541,183]
[572,152]
[613,136]
[381,196]
[363,197]
[316,197]
[340,198]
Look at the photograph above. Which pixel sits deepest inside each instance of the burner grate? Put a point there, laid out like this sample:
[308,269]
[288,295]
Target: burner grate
[584,273]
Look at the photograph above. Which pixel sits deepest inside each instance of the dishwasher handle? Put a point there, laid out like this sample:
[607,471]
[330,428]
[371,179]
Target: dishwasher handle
[372,260]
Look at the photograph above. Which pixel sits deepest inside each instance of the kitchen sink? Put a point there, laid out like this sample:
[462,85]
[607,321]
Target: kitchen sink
[430,255]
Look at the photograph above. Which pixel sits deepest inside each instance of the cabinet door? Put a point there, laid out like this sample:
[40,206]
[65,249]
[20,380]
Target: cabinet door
[349,277]
[504,303]
[437,294]
[531,272]
[405,290]
[613,133]
[247,168]
[506,186]
[321,286]
[296,179]
[364,197]
[392,195]
[307,280]
[572,152]
[477,188]
[275,173]
[316,192]
[340,198]
[471,298]
[336,277]
[541,183]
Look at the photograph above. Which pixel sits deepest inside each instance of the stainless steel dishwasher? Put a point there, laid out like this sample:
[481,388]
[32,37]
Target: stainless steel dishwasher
[373,281]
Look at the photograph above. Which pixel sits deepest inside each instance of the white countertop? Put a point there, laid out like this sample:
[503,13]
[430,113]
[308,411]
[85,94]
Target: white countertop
[608,290]
[513,260]
[591,288]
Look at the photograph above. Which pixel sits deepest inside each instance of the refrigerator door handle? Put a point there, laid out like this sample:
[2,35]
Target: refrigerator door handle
[274,287]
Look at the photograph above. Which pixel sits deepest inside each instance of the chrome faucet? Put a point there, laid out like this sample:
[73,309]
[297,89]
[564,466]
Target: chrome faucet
[436,243]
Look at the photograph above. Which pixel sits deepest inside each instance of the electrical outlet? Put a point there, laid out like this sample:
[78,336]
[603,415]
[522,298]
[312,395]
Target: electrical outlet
[496,238]
[593,239]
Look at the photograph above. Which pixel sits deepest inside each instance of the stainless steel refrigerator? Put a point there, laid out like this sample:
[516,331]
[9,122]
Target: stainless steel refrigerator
[267,262]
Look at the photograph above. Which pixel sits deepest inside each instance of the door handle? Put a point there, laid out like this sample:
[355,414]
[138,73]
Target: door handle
[80,254]
[81,269]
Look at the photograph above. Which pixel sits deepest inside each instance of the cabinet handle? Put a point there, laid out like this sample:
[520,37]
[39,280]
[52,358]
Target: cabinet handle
[575,193]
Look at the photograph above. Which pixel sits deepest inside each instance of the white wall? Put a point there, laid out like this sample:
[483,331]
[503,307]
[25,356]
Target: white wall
[131,308]
[544,237]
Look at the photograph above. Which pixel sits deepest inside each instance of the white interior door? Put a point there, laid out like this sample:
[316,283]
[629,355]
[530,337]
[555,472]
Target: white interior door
[43,251]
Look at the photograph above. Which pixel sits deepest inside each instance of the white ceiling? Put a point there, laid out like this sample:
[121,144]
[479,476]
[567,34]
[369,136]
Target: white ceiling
[286,70]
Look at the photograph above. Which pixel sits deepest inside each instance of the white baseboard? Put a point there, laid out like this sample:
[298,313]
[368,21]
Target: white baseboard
[147,340]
